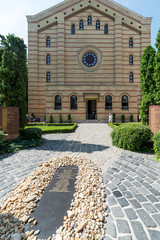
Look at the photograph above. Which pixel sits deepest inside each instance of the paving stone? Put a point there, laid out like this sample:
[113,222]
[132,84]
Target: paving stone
[123,226]
[152,198]
[130,179]
[154,235]
[154,191]
[110,229]
[125,238]
[139,231]
[107,238]
[111,201]
[127,183]
[122,187]
[147,220]
[116,181]
[157,206]
[157,218]
[150,208]
[117,194]
[136,184]
[145,184]
[135,203]
[117,212]
[133,190]
[127,194]
[107,192]
[123,202]
[130,213]
[111,186]
[109,219]
[141,198]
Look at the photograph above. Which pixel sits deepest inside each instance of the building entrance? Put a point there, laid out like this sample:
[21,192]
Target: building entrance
[91,109]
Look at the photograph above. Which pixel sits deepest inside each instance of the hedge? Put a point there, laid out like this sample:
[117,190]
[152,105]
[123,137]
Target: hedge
[131,136]
[32,133]
[156,140]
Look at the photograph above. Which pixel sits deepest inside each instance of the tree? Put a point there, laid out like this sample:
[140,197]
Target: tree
[148,84]
[157,69]
[13,74]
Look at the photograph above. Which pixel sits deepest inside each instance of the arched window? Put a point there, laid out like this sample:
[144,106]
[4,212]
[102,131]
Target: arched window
[48,42]
[131,77]
[48,59]
[81,25]
[97,25]
[73,29]
[124,102]
[58,102]
[89,20]
[73,102]
[131,42]
[106,29]
[108,102]
[131,60]
[48,77]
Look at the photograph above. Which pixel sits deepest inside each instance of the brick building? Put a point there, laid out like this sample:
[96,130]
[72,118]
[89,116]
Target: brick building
[84,59]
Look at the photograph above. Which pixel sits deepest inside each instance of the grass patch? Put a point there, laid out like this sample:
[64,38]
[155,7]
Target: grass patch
[54,128]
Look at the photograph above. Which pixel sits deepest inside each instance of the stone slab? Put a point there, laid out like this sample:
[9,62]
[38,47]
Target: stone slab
[54,203]
[10,122]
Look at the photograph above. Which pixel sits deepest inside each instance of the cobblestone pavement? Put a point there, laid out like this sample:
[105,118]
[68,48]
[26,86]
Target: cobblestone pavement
[133,180]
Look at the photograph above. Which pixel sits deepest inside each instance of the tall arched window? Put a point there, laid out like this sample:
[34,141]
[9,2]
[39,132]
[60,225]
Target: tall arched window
[81,25]
[131,42]
[58,102]
[73,102]
[89,20]
[131,77]
[106,29]
[48,59]
[73,29]
[131,60]
[48,42]
[97,25]
[48,77]
[108,102]
[124,102]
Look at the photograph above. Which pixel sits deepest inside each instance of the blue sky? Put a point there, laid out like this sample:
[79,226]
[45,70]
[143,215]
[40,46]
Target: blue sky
[13,12]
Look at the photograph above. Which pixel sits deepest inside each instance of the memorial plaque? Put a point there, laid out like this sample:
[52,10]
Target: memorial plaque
[10,122]
[0,118]
[54,203]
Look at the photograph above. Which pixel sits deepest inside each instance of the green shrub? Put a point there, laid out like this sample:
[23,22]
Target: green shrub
[123,118]
[69,119]
[60,118]
[50,120]
[32,133]
[114,125]
[131,118]
[156,140]
[131,136]
[114,117]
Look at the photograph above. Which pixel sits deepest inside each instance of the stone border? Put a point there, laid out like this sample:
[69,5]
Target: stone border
[96,51]
[85,217]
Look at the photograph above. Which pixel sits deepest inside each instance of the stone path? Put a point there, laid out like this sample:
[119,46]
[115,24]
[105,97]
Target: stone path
[133,180]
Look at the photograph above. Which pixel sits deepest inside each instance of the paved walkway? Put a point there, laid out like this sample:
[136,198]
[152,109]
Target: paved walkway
[133,180]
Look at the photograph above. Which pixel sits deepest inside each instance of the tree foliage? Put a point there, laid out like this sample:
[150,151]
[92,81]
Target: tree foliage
[148,84]
[13,74]
[157,69]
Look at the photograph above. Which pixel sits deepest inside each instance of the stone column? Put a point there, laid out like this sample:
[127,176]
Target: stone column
[61,50]
[118,51]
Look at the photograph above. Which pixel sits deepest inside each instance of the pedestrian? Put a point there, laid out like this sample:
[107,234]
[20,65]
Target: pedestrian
[110,118]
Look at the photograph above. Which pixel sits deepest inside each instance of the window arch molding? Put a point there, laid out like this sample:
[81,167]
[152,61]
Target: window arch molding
[74,93]
[125,93]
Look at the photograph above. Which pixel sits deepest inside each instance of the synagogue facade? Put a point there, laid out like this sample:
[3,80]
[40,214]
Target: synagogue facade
[84,60]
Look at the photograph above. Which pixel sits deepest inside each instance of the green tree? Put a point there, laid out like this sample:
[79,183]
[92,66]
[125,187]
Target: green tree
[157,69]
[13,74]
[148,84]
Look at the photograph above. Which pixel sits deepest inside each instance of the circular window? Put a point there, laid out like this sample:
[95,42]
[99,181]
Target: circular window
[90,59]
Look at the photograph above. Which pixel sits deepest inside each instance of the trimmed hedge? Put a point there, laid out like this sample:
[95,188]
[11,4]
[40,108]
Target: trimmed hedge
[58,128]
[114,125]
[131,136]
[156,140]
[32,133]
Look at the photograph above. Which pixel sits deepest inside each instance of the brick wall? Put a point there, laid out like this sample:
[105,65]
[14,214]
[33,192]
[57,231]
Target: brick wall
[154,118]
